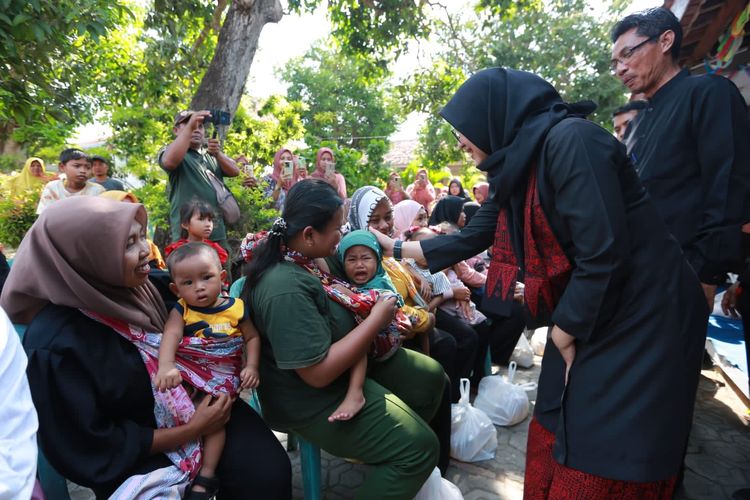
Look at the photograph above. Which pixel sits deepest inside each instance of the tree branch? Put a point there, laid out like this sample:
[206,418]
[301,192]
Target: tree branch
[213,25]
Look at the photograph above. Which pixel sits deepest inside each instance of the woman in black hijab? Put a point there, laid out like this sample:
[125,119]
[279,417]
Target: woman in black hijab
[456,188]
[448,209]
[568,215]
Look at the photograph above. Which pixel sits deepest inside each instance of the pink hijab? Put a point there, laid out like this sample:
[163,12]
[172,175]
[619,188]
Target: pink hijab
[276,174]
[403,215]
[424,195]
[320,172]
[483,188]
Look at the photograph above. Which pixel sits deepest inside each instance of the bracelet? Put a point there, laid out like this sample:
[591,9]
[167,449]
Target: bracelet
[397,249]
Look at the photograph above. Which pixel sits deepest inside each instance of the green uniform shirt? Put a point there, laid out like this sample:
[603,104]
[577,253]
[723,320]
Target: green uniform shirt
[189,181]
[297,323]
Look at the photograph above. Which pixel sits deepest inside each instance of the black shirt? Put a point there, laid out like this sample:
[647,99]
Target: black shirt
[691,149]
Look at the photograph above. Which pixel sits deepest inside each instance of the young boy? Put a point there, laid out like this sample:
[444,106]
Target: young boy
[100,169]
[77,169]
[201,312]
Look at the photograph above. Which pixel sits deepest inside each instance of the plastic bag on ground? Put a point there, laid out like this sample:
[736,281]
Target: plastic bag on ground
[504,402]
[473,437]
[539,341]
[523,355]
[438,488]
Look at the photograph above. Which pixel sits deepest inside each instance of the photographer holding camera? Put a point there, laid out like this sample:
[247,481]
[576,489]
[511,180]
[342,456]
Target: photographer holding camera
[187,167]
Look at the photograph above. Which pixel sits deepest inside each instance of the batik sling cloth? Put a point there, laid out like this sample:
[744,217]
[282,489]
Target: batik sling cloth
[211,365]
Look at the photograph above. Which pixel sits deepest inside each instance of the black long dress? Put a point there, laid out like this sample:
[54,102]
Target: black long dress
[96,413]
[633,303]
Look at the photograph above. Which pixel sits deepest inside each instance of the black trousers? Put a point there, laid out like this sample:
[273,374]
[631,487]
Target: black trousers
[467,343]
[253,464]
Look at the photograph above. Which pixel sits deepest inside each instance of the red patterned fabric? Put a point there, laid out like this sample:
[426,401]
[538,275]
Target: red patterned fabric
[546,267]
[223,255]
[360,303]
[547,479]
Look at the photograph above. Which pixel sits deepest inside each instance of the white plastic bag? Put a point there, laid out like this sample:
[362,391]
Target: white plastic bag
[473,437]
[523,354]
[504,402]
[539,341]
[438,488]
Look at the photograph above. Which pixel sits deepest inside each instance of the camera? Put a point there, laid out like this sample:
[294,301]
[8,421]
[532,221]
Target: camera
[218,117]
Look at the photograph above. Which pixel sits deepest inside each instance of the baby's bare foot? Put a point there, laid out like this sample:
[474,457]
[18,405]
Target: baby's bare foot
[349,407]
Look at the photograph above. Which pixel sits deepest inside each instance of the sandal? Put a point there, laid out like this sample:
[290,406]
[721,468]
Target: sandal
[210,483]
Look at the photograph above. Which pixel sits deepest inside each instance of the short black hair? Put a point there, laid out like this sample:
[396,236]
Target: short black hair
[187,210]
[631,106]
[190,250]
[651,23]
[72,154]
[99,158]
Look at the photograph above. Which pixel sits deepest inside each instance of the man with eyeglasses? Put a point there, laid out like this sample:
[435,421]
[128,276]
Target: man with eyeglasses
[690,146]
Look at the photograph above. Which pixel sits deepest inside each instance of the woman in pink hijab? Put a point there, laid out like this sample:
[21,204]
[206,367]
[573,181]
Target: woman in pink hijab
[394,189]
[481,191]
[284,175]
[421,190]
[406,214]
[325,168]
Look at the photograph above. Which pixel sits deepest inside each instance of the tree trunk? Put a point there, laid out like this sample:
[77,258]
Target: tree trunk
[224,81]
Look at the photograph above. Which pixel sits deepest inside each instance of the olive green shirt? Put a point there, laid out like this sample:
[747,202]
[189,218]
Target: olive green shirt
[189,181]
[297,324]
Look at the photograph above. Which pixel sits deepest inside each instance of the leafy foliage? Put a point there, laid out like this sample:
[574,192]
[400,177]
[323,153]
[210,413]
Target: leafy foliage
[341,102]
[43,53]
[17,214]
[560,40]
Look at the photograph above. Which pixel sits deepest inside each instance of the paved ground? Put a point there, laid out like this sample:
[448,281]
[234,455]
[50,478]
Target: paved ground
[718,460]
[717,463]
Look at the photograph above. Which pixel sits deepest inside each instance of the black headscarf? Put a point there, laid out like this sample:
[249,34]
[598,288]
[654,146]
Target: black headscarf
[507,113]
[448,209]
[461,191]
[470,208]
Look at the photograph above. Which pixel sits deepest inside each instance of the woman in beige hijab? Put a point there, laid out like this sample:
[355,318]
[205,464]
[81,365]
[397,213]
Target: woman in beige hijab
[81,281]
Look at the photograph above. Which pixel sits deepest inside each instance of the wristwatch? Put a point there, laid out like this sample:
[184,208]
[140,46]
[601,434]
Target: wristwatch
[397,249]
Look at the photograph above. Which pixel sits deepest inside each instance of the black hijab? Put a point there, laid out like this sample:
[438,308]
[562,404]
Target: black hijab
[462,192]
[507,113]
[448,209]
[470,208]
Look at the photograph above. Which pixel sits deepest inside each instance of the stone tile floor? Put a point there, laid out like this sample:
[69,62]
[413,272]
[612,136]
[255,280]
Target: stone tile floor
[717,462]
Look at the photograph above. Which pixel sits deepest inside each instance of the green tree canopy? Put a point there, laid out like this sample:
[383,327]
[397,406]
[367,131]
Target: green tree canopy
[342,103]
[561,40]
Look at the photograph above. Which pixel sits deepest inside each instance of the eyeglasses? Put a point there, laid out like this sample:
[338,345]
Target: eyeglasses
[456,135]
[627,52]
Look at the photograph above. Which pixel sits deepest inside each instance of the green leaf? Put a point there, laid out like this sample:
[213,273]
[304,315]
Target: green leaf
[20,18]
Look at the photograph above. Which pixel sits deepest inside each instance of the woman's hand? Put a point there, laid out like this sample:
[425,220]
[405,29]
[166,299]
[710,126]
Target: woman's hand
[518,295]
[565,343]
[211,414]
[729,301]
[386,242]
[384,310]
